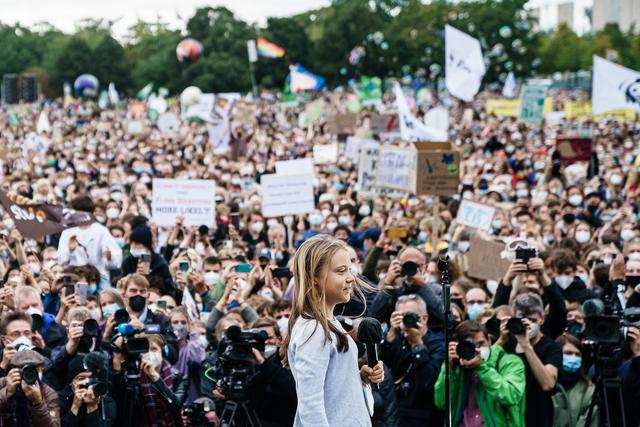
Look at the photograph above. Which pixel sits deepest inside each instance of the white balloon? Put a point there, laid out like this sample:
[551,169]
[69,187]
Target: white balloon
[190,96]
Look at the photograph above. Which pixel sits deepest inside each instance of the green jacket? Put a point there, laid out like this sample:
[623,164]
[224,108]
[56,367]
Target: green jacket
[499,394]
[570,407]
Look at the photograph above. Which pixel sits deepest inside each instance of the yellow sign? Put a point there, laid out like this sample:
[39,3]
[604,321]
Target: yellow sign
[511,107]
[582,111]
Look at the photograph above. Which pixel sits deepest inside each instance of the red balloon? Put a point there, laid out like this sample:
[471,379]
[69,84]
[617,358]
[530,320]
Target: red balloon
[189,50]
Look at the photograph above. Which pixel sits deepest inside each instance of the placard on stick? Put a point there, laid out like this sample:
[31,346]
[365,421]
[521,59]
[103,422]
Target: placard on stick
[485,261]
[573,150]
[286,194]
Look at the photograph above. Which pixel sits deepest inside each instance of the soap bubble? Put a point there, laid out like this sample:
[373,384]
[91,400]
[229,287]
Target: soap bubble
[505,31]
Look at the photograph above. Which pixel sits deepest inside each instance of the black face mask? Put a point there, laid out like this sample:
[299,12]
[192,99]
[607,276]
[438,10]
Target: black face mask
[632,281]
[568,218]
[593,209]
[137,303]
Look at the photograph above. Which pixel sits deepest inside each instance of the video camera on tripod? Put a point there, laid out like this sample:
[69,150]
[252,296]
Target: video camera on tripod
[607,325]
[132,347]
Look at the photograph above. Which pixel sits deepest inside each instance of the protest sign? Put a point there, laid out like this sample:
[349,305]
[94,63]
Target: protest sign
[384,123]
[573,149]
[203,110]
[354,146]
[295,167]
[393,169]
[503,107]
[464,64]
[367,166]
[435,168]
[577,110]
[339,123]
[193,199]
[532,106]
[245,114]
[36,220]
[485,261]
[313,111]
[168,123]
[325,153]
[286,194]
[476,215]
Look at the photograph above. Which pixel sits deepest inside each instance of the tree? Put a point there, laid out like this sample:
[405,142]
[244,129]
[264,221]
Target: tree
[111,63]
[73,59]
[564,51]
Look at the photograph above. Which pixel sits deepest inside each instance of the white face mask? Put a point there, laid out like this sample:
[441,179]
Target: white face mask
[257,227]
[153,357]
[583,237]
[269,350]
[616,179]
[331,226]
[96,314]
[485,352]
[35,268]
[564,281]
[627,234]
[575,199]
[364,210]
[113,213]
[283,324]
[211,278]
[33,310]
[22,343]
[492,286]
[535,328]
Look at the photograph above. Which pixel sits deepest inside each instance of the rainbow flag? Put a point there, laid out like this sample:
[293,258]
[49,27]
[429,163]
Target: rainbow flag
[268,49]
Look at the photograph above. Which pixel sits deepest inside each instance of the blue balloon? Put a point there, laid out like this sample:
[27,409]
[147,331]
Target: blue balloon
[86,85]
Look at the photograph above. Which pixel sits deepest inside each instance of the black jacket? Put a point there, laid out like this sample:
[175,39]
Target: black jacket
[385,404]
[275,393]
[630,378]
[160,276]
[105,416]
[577,291]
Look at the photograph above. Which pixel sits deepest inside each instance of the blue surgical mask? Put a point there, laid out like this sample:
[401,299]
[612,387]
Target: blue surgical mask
[344,220]
[120,241]
[315,220]
[109,309]
[423,237]
[137,253]
[474,310]
[571,363]
[92,288]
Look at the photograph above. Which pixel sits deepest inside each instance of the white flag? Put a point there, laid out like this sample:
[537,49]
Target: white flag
[412,129]
[614,87]
[113,94]
[509,89]
[464,64]
[43,125]
[251,51]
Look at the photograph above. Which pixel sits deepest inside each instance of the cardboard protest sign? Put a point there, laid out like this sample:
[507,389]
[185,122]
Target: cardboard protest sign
[532,106]
[168,123]
[485,260]
[286,194]
[245,114]
[435,168]
[295,167]
[367,166]
[393,169]
[573,149]
[476,215]
[503,107]
[339,123]
[193,199]
[313,111]
[35,220]
[354,145]
[325,153]
[384,123]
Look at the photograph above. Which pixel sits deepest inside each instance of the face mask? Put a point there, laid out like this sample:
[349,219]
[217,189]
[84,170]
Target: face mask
[211,278]
[423,236]
[464,246]
[137,303]
[344,220]
[535,328]
[271,222]
[153,357]
[474,310]
[181,331]
[22,343]
[8,223]
[137,253]
[120,241]
[568,218]
[200,307]
[497,224]
[522,193]
[101,219]
[364,210]
[431,279]
[564,281]
[109,309]
[583,237]
[283,325]
[575,199]
[96,314]
[510,149]
[257,227]
[616,179]
[484,353]
[325,213]
[634,256]
[315,220]
[627,234]
[331,226]
[583,277]
[492,286]
[33,310]
[35,268]
[571,363]
[113,213]
[269,350]
[549,239]
[632,281]
[202,341]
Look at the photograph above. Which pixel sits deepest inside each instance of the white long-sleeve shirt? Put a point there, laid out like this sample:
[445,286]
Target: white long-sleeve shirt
[330,391]
[92,241]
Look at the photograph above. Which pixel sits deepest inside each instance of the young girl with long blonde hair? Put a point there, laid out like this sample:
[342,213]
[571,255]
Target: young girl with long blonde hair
[331,389]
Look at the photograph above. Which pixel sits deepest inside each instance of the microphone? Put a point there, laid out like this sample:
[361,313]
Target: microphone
[443,263]
[370,334]
[593,307]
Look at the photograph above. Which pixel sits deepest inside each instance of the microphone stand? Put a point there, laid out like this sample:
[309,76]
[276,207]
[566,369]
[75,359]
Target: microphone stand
[443,267]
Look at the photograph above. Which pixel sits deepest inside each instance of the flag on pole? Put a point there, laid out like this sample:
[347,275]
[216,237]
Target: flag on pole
[113,94]
[510,89]
[251,51]
[614,87]
[412,129]
[301,79]
[464,64]
[43,125]
[145,92]
[268,49]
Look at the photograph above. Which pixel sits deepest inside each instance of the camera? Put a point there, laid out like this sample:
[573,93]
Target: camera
[409,269]
[90,331]
[235,366]
[100,388]
[281,272]
[29,374]
[525,254]
[131,346]
[515,326]
[466,350]
[196,412]
[410,320]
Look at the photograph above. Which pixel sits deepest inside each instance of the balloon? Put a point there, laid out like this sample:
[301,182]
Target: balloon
[86,85]
[505,31]
[190,96]
[189,50]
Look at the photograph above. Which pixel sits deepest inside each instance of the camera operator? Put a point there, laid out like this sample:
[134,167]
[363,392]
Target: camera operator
[414,354]
[84,400]
[485,381]
[513,280]
[136,292]
[160,406]
[24,399]
[630,377]
[274,387]
[541,355]
[406,275]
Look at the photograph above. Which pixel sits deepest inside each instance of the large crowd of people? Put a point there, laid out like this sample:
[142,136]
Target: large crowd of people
[95,332]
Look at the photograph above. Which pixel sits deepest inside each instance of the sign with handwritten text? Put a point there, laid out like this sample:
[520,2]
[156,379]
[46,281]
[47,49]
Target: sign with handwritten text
[476,215]
[394,168]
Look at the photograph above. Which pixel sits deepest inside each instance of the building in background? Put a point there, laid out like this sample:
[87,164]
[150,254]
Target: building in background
[625,13]
[576,14]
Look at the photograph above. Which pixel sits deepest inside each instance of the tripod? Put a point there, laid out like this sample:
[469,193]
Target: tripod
[443,267]
[132,411]
[247,417]
[608,395]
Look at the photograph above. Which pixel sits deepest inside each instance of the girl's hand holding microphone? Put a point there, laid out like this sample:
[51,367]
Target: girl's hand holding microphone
[373,375]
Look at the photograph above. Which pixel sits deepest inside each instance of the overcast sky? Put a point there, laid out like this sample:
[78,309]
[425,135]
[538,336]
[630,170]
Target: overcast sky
[65,13]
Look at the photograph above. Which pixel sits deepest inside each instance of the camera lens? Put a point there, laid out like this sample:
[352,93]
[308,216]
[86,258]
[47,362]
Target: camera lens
[515,326]
[121,316]
[466,350]
[37,322]
[90,328]
[410,320]
[99,388]
[409,269]
[29,374]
